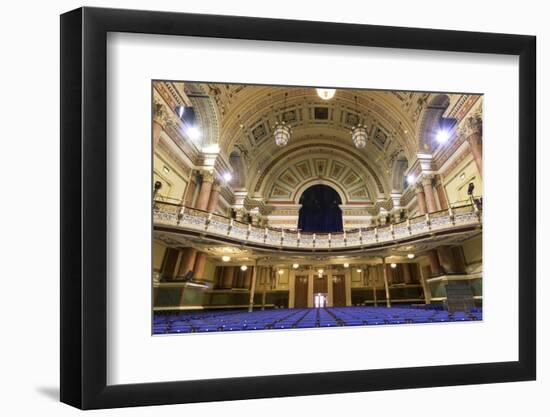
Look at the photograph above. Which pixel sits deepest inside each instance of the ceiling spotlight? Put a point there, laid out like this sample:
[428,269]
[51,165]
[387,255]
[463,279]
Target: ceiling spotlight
[295,266]
[346,265]
[227,177]
[359,270]
[194,133]
[410,255]
[393,265]
[411,179]
[326,93]
[281,272]
[226,258]
[244,268]
[442,136]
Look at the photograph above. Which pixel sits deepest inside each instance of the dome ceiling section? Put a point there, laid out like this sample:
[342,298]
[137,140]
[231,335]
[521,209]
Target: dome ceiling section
[316,161]
[248,122]
[371,155]
[308,169]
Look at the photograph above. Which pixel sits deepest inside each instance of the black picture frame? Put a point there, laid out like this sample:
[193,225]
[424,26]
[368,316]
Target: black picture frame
[84,207]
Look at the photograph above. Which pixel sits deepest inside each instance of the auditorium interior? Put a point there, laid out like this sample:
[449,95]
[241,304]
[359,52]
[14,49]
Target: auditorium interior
[278,207]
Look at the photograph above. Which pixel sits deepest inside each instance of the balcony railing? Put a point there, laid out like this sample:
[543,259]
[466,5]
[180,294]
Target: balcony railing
[214,225]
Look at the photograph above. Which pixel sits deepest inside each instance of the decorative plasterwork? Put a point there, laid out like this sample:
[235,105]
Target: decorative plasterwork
[206,111]
[249,113]
[322,160]
[302,173]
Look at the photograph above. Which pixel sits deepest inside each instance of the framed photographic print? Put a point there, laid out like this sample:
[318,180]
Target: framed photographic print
[257,208]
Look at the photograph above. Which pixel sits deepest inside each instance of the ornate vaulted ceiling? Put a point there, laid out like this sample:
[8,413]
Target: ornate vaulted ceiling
[239,119]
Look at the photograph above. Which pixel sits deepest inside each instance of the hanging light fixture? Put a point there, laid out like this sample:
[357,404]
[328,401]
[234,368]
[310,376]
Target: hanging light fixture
[359,132]
[325,93]
[282,131]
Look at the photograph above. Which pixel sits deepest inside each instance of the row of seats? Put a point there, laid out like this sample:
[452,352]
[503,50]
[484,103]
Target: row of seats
[302,318]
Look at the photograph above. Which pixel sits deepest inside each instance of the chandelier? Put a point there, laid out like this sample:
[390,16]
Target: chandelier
[282,133]
[359,136]
[326,93]
[359,133]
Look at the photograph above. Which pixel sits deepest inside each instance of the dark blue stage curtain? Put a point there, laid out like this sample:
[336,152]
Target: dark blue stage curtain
[320,211]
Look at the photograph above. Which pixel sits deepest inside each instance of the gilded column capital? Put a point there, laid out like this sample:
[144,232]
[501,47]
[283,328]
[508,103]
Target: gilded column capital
[426,179]
[473,125]
[160,115]
[207,176]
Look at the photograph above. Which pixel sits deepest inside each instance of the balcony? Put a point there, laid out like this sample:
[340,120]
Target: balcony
[174,218]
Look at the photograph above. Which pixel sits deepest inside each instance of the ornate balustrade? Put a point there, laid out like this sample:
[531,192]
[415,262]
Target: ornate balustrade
[171,216]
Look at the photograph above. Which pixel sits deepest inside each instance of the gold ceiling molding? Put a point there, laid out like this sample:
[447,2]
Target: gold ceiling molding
[246,110]
[308,168]
[340,154]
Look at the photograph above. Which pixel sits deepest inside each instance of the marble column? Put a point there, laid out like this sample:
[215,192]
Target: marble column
[187,262]
[200,265]
[441,196]
[386,285]
[190,192]
[214,196]
[421,200]
[473,134]
[204,193]
[252,287]
[429,193]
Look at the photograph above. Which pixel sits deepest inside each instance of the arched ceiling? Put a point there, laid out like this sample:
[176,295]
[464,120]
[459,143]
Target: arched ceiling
[318,161]
[240,120]
[247,114]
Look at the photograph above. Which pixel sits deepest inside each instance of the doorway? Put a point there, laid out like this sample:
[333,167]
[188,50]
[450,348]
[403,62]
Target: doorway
[339,290]
[320,211]
[320,300]
[300,291]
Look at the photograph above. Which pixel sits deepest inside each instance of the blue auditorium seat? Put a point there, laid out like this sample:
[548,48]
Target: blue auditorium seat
[211,321]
